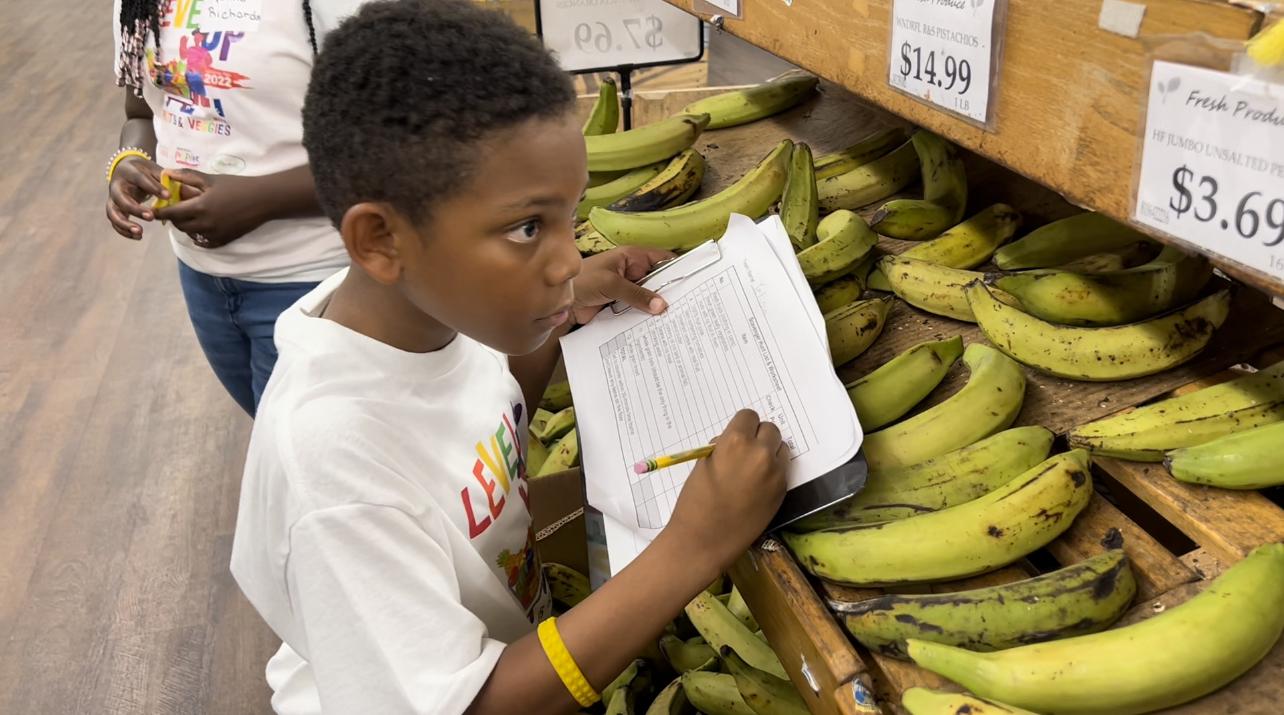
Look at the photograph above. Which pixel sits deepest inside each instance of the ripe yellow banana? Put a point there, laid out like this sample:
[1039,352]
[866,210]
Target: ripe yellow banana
[933,288]
[912,219]
[839,292]
[1245,460]
[938,483]
[944,194]
[1101,299]
[644,145]
[862,152]
[750,104]
[891,390]
[854,327]
[799,211]
[1165,660]
[972,538]
[616,189]
[677,182]
[1099,354]
[921,701]
[1146,433]
[1082,598]
[1066,240]
[686,655]
[988,403]
[843,240]
[764,693]
[873,181]
[714,693]
[564,454]
[720,628]
[604,118]
[567,586]
[685,227]
[967,245]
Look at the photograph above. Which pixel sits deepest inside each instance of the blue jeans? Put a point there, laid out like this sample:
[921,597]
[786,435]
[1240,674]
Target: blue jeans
[234,322]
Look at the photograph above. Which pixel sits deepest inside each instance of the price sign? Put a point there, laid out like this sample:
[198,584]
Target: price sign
[944,52]
[599,35]
[1212,165]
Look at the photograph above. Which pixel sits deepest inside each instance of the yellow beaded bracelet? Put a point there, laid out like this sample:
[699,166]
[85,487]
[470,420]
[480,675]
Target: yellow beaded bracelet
[564,664]
[121,156]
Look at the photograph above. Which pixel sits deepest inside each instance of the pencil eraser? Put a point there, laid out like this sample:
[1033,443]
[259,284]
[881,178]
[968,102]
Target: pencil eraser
[639,468]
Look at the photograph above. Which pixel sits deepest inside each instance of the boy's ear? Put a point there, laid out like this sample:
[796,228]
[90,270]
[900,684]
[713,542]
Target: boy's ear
[369,233]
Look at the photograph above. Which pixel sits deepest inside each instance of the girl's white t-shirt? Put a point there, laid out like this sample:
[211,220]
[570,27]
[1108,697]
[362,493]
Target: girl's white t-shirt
[227,95]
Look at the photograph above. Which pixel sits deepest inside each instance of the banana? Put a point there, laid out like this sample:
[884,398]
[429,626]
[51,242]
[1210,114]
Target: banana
[556,397]
[967,245]
[988,403]
[893,389]
[714,693]
[912,219]
[742,106]
[1099,354]
[720,627]
[1130,256]
[930,287]
[736,604]
[873,181]
[1146,433]
[621,695]
[686,655]
[687,226]
[1168,659]
[644,145]
[616,189]
[938,483]
[1066,240]
[604,118]
[921,701]
[944,194]
[563,455]
[843,240]
[1103,299]
[555,426]
[539,420]
[536,454]
[972,538]
[854,327]
[839,292]
[671,700]
[679,181]
[1245,460]
[1083,598]
[567,586]
[590,242]
[862,152]
[798,209]
[764,693]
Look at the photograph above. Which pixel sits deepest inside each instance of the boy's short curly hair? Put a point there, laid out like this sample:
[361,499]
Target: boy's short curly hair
[403,90]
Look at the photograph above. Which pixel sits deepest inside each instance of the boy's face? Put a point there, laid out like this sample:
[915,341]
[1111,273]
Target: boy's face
[495,261]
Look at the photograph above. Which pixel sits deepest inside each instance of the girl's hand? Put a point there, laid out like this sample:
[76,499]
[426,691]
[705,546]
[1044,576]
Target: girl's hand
[135,180]
[216,209]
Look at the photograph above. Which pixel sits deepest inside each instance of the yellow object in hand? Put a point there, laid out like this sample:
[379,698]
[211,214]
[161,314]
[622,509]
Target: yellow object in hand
[175,189]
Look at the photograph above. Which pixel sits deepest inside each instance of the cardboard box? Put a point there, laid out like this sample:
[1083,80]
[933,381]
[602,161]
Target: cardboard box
[557,513]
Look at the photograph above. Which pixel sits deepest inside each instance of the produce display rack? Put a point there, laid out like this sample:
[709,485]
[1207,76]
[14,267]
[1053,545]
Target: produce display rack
[1070,97]
[1177,536]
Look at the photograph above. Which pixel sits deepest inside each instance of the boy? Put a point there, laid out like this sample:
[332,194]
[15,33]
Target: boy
[383,531]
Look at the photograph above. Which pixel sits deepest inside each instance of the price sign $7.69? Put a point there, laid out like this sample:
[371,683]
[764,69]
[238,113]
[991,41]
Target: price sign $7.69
[1253,215]
[639,33]
[955,74]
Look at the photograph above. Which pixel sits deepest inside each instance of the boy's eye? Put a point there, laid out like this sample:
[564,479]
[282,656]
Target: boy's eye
[526,232]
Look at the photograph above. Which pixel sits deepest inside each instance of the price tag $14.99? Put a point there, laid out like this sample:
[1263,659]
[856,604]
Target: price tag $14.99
[943,52]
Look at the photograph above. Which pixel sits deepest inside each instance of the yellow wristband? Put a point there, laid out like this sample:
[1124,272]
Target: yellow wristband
[121,156]
[564,664]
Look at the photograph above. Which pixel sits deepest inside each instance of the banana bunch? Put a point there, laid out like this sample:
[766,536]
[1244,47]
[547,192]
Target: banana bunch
[604,118]
[567,586]
[922,701]
[872,181]
[548,426]
[1082,598]
[972,538]
[988,403]
[840,291]
[966,245]
[799,211]
[684,227]
[722,629]
[1168,659]
[1147,433]
[763,692]
[741,106]
[852,328]
[562,455]
[616,189]
[928,286]
[622,694]
[1244,460]
[1099,354]
[862,152]
[944,194]
[886,394]
[841,241]
[1110,298]
[942,482]
[553,445]
[1066,240]
[630,149]
[672,186]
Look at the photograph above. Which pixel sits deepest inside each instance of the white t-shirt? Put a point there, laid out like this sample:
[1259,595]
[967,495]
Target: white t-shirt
[230,101]
[383,530]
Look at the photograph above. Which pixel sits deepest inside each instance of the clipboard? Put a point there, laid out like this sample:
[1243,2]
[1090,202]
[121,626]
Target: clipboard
[695,255]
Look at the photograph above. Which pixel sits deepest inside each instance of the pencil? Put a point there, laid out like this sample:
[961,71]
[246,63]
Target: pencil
[669,460]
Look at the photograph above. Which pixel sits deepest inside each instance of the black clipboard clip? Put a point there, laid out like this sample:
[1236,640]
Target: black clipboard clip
[699,257]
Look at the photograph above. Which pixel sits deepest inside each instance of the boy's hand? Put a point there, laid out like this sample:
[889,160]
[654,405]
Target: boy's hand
[134,180]
[216,208]
[730,497]
[610,276]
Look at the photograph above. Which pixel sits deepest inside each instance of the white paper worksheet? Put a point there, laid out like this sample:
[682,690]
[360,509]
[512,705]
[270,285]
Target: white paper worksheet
[742,330]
